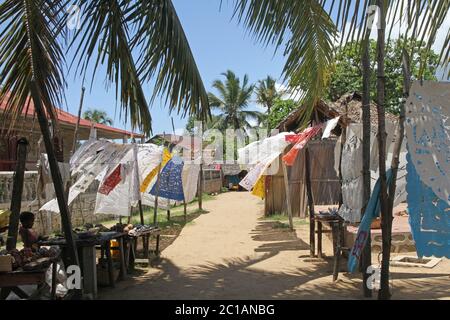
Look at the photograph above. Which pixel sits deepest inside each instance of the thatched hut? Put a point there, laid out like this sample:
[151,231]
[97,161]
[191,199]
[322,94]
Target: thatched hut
[325,182]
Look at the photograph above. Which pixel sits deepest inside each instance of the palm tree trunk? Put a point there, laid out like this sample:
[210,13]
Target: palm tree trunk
[386,216]
[72,256]
[366,259]
[16,198]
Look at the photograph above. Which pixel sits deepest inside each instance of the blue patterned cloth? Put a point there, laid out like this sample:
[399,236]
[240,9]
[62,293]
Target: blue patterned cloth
[372,211]
[171,182]
[429,216]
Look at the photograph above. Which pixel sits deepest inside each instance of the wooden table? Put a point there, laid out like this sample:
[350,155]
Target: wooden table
[145,236]
[10,282]
[87,254]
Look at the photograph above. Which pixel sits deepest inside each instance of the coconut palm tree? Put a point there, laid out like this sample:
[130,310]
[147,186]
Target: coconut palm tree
[232,101]
[97,116]
[267,93]
[32,64]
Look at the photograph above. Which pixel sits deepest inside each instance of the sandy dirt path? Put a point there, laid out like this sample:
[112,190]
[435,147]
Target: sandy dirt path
[233,253]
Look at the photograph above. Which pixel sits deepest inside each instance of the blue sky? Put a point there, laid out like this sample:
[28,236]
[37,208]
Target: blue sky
[217,43]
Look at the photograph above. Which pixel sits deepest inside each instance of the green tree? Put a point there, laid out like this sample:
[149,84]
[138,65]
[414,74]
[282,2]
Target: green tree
[347,71]
[281,109]
[97,116]
[267,93]
[232,102]
[210,123]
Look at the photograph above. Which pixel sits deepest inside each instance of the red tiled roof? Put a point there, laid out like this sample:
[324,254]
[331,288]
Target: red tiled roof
[68,118]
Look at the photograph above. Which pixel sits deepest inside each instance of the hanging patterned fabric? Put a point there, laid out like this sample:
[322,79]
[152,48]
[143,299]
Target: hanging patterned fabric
[428,216]
[170,184]
[167,156]
[428,179]
[259,189]
[111,181]
[372,211]
[300,141]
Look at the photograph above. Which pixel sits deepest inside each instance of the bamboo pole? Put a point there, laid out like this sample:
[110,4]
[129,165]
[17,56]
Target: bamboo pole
[72,255]
[16,198]
[312,224]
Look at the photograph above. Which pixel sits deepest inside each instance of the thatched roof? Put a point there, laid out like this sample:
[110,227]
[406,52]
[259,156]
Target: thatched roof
[349,107]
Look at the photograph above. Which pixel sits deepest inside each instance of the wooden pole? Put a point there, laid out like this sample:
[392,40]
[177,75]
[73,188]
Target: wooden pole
[310,203]
[201,182]
[288,195]
[141,212]
[72,255]
[200,188]
[38,194]
[400,133]
[155,212]
[366,257]
[185,210]
[75,134]
[386,216]
[16,198]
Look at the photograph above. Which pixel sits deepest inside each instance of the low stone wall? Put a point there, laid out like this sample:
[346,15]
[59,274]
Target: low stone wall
[212,181]
[46,222]
[402,242]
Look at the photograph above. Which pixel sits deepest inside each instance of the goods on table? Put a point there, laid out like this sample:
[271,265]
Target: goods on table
[331,214]
[120,227]
[140,229]
[30,260]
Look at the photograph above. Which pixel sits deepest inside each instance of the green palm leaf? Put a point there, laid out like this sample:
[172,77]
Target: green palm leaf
[165,55]
[30,53]
[308,32]
[104,36]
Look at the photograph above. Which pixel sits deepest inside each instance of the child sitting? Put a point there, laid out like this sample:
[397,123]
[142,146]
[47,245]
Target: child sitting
[28,235]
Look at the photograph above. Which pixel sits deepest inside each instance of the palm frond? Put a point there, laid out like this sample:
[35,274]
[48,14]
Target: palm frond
[30,53]
[306,29]
[166,55]
[216,102]
[104,37]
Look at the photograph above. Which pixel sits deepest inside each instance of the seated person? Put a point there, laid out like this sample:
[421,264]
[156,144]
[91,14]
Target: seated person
[28,235]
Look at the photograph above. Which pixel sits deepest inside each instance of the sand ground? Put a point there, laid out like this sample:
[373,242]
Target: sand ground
[233,253]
